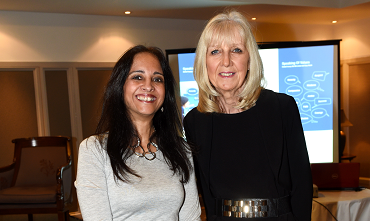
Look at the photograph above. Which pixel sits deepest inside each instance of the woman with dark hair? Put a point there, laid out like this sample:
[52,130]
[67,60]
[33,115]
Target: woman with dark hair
[137,166]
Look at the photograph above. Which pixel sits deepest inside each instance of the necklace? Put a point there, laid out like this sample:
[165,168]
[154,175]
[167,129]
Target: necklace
[145,153]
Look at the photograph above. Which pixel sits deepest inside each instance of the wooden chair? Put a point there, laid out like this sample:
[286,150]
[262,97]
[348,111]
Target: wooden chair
[39,180]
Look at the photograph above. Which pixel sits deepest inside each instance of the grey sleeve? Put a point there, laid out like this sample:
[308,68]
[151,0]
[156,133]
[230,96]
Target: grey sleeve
[91,182]
[191,207]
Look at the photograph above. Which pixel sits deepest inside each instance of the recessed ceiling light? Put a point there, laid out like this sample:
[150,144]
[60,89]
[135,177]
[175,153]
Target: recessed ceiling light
[254,18]
[127,12]
[334,22]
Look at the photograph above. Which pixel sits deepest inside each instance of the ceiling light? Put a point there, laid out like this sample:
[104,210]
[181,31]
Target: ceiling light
[254,19]
[127,12]
[334,22]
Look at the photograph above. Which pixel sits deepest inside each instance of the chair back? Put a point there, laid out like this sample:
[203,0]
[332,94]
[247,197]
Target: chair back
[38,159]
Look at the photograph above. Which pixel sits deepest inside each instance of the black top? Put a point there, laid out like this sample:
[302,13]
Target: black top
[234,142]
[258,153]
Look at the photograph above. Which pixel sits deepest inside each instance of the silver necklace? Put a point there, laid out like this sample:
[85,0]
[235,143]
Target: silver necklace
[145,153]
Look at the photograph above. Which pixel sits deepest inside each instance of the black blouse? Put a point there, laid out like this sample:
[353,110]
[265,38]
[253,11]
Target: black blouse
[238,158]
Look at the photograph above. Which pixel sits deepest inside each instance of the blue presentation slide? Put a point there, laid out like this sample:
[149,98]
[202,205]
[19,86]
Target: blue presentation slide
[188,86]
[306,74]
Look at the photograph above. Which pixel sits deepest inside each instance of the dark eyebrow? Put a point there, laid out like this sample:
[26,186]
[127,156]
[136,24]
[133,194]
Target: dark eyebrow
[143,72]
[140,71]
[159,73]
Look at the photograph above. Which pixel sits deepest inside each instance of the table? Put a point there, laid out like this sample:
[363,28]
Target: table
[345,205]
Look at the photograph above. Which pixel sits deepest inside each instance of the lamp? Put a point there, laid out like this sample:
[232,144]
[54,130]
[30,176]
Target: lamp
[344,122]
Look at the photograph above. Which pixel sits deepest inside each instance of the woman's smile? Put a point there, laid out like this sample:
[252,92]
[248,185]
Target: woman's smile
[146,97]
[227,74]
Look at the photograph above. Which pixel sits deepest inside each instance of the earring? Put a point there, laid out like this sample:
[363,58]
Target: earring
[162,109]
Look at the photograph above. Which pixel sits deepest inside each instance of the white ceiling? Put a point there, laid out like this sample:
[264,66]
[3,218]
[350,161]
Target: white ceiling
[273,11]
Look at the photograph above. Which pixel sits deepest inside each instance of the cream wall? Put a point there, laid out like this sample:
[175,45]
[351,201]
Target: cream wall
[44,37]
[270,32]
[80,38]
[356,39]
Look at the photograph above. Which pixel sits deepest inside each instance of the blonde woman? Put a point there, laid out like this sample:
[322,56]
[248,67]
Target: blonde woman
[252,159]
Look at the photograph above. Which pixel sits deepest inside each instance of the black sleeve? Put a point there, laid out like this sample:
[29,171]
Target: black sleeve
[299,165]
[191,127]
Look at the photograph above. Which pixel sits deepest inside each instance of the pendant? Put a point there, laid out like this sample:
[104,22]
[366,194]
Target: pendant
[145,153]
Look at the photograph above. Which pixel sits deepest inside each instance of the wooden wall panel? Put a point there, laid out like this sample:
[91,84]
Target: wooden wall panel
[58,103]
[18,111]
[359,115]
[92,84]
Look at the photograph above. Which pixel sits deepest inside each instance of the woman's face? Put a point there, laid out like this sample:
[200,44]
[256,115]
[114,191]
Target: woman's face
[227,65]
[144,89]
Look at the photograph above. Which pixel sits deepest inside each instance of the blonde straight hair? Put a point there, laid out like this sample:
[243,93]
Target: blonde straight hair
[221,28]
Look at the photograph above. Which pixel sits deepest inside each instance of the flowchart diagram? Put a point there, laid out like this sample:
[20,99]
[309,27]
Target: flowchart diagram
[309,81]
[311,105]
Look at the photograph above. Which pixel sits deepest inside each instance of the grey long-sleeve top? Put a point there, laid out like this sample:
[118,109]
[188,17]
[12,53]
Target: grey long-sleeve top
[157,195]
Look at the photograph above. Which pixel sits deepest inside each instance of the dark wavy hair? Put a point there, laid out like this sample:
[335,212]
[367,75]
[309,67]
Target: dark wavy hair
[115,120]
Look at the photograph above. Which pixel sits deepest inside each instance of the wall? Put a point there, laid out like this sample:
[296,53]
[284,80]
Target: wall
[269,32]
[91,100]
[356,40]
[18,101]
[355,54]
[355,35]
[66,37]
[358,114]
